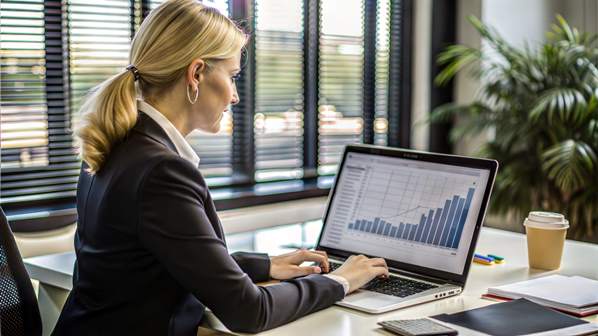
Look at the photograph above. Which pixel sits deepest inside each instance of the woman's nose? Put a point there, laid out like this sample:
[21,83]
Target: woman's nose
[235,99]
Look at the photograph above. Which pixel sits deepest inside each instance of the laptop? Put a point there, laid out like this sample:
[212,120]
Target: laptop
[421,212]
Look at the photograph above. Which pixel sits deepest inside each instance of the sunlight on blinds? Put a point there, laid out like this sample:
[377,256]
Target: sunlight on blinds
[278,125]
[99,42]
[341,77]
[23,111]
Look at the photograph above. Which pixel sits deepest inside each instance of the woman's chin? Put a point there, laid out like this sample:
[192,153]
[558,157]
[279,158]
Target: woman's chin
[212,129]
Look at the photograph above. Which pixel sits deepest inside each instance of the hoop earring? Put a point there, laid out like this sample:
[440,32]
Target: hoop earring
[194,98]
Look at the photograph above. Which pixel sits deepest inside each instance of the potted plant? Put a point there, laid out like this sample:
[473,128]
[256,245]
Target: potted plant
[541,105]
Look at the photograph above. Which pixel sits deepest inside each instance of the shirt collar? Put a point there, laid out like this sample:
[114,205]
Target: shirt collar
[182,146]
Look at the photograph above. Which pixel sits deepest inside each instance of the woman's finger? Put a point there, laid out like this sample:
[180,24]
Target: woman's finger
[325,265]
[320,252]
[378,262]
[307,270]
[313,256]
[381,271]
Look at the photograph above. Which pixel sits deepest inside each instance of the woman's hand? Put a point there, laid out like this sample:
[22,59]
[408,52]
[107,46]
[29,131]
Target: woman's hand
[359,270]
[286,266]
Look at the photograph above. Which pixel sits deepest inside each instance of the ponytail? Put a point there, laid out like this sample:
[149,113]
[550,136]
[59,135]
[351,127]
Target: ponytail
[108,114]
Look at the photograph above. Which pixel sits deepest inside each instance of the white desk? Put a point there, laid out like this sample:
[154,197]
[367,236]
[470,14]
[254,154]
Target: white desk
[54,273]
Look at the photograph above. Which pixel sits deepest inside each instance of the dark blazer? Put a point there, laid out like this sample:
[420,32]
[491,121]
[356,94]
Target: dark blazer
[151,253]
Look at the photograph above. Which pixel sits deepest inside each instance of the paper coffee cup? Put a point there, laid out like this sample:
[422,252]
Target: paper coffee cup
[546,233]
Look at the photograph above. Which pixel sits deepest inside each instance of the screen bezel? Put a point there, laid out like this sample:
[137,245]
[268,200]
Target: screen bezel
[454,160]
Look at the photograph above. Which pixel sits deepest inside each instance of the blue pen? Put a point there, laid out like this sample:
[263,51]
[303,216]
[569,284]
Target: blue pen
[479,256]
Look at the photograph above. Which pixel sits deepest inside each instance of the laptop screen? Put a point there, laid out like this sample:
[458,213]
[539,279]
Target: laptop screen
[409,211]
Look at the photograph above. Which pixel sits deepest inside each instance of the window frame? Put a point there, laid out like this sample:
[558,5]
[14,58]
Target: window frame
[241,189]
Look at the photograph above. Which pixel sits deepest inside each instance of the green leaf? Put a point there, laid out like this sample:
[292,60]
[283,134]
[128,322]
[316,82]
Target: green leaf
[455,58]
[566,103]
[569,164]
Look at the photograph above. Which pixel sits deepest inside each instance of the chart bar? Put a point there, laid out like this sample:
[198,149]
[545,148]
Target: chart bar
[441,237]
[401,230]
[380,227]
[463,218]
[386,229]
[431,228]
[437,230]
[376,222]
[453,227]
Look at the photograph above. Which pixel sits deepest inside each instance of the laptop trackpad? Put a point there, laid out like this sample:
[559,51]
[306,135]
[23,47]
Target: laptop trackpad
[368,299]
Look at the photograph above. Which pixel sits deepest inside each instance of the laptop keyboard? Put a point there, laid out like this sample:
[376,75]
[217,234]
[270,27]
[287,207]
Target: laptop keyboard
[395,286]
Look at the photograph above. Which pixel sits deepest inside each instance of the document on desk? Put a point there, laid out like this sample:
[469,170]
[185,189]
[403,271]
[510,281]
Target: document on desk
[574,291]
[572,294]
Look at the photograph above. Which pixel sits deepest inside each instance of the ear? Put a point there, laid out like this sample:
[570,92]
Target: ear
[196,72]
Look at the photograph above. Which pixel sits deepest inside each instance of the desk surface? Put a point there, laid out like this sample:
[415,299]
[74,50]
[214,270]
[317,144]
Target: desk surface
[578,259]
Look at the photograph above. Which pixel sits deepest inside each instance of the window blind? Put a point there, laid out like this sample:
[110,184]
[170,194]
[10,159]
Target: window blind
[278,124]
[24,122]
[38,162]
[341,73]
[382,56]
[99,36]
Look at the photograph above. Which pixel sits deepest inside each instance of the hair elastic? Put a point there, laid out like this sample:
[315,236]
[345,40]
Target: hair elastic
[134,70]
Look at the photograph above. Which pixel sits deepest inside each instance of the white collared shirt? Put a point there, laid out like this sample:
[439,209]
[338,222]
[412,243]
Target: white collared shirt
[182,146]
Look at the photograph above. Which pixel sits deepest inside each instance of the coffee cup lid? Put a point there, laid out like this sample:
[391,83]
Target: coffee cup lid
[551,226]
[545,217]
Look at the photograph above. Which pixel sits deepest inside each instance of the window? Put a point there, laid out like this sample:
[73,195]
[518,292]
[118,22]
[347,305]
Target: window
[341,70]
[278,125]
[313,81]
[37,162]
[99,39]
[24,118]
[382,55]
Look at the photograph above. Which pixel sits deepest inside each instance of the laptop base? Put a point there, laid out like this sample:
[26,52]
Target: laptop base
[377,303]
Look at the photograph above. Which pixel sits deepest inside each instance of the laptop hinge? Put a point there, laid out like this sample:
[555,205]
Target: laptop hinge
[423,277]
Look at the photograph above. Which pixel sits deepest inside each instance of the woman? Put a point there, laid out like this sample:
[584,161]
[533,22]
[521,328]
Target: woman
[150,248]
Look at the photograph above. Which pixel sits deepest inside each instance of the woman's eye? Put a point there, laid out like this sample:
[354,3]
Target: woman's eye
[235,78]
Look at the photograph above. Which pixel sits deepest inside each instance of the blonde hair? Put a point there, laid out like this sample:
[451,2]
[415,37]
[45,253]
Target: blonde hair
[169,39]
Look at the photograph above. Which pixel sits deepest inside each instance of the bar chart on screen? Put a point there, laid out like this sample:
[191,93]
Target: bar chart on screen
[402,205]
[441,227]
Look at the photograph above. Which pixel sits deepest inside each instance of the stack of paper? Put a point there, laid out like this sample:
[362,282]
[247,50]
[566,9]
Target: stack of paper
[571,294]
